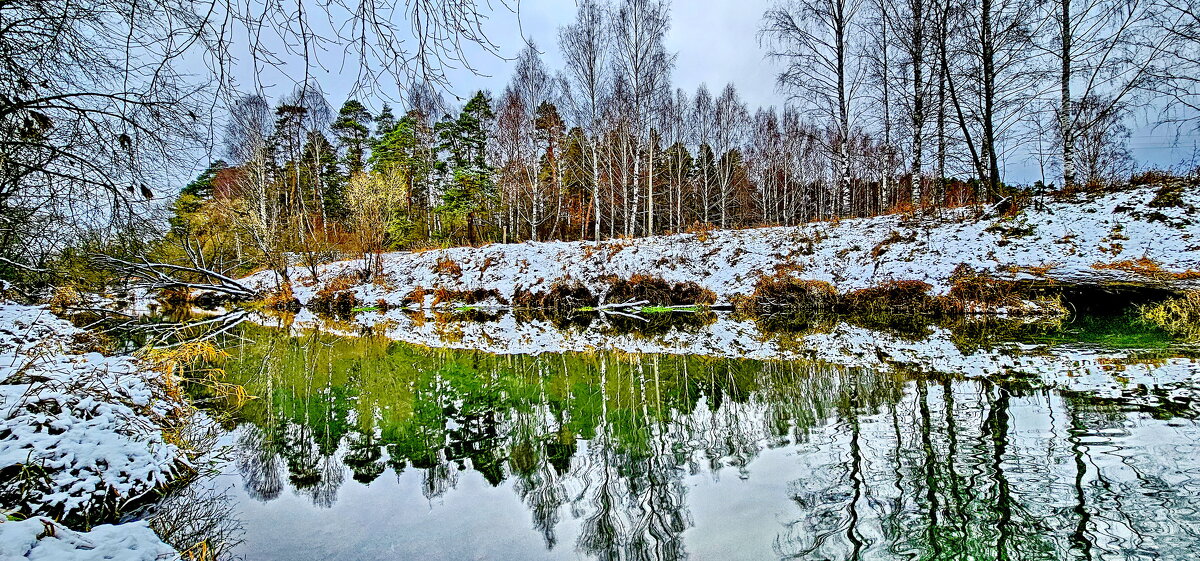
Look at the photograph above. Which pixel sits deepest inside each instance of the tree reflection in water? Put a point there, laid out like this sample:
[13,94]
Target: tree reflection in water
[885,465]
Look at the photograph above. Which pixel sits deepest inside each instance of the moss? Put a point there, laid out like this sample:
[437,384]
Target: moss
[1118,332]
[1168,196]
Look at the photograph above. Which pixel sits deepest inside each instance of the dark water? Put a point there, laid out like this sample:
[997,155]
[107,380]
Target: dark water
[366,448]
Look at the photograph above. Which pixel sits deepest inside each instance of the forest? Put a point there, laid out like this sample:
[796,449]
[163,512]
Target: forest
[893,106]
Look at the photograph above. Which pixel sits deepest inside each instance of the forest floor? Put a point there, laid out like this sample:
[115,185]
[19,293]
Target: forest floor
[1144,237]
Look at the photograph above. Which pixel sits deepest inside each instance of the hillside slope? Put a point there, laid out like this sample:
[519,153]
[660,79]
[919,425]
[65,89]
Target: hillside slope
[1143,236]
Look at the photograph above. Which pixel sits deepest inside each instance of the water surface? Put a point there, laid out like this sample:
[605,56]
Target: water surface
[364,447]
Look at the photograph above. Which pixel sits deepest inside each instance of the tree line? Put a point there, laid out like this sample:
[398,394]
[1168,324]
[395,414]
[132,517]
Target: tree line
[893,105]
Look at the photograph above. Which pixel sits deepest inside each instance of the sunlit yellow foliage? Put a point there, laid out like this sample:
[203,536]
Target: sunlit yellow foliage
[1180,316]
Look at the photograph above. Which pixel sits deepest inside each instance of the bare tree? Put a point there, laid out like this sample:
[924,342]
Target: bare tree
[1102,50]
[585,46]
[823,68]
[102,103]
[639,29]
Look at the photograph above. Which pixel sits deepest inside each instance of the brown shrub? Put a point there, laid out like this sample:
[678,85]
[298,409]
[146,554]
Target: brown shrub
[785,292]
[969,287]
[443,295]
[282,299]
[335,297]
[702,231]
[1152,177]
[564,295]
[414,298]
[447,266]
[657,291]
[909,296]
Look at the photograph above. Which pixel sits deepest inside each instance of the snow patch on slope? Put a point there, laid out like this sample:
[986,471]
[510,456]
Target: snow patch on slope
[1066,238]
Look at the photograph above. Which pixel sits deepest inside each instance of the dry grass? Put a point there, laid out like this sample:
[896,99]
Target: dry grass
[447,266]
[282,299]
[1146,267]
[782,291]
[564,295]
[973,290]
[443,295]
[702,231]
[65,296]
[892,237]
[910,296]
[415,298]
[335,297]
[195,363]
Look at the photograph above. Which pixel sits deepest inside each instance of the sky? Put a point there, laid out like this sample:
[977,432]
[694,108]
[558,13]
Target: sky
[715,42]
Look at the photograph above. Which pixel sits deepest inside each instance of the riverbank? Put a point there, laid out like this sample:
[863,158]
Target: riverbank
[81,441]
[960,261]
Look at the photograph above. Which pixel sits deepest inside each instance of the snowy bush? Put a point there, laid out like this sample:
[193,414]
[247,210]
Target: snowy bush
[80,434]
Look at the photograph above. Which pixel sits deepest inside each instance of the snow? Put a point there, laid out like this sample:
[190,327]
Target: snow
[40,538]
[1068,237]
[82,424]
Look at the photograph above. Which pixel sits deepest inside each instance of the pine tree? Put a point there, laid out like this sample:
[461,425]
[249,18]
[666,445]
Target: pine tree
[353,135]
[470,183]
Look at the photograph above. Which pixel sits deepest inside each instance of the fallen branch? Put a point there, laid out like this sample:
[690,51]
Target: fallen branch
[162,276]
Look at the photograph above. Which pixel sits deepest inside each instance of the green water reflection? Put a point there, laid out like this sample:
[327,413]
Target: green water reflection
[618,456]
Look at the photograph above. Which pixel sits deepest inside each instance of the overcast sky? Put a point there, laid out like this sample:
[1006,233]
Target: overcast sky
[715,42]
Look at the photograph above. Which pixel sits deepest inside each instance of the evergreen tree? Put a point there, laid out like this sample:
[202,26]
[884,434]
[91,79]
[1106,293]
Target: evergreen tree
[353,134]
[470,183]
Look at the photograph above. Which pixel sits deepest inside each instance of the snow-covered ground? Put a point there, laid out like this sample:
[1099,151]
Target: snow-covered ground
[42,539]
[78,432]
[1104,372]
[1069,241]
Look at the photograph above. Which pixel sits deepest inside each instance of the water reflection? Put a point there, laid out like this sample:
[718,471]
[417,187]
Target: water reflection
[630,456]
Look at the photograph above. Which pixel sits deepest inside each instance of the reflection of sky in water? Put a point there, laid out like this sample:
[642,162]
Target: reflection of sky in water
[614,456]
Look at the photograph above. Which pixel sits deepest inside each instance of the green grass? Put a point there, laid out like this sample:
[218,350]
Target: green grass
[1117,332]
[666,309]
[365,309]
[586,309]
[466,308]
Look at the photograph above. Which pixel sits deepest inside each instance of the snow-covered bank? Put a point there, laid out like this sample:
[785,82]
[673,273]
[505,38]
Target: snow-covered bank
[40,538]
[79,432]
[1116,237]
[1105,372]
